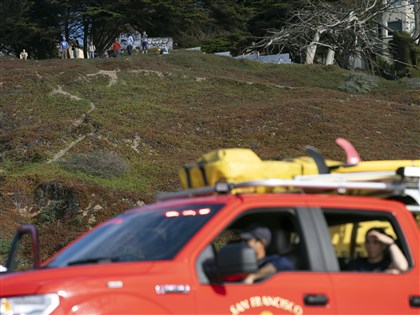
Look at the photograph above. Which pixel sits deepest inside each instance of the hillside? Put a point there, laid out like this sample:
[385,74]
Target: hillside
[83,140]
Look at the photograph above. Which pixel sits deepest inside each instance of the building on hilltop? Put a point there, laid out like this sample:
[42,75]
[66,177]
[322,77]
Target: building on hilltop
[399,17]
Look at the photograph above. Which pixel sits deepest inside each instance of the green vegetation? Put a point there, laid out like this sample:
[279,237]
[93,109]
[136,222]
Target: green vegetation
[405,52]
[84,140]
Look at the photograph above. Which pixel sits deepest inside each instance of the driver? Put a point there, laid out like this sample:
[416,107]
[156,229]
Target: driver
[258,238]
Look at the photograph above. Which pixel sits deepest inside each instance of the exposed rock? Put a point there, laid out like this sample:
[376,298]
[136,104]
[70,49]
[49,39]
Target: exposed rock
[97,208]
[55,201]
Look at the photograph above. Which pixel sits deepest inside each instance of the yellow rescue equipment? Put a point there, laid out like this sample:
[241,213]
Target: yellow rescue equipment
[239,165]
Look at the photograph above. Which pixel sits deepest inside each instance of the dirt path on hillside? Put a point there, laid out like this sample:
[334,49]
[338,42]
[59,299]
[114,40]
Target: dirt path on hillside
[75,123]
[113,79]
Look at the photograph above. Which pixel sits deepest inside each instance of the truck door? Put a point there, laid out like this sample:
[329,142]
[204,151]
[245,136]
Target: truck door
[370,292]
[305,290]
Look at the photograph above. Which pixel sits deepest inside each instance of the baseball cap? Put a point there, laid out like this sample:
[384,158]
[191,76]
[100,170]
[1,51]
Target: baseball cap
[259,233]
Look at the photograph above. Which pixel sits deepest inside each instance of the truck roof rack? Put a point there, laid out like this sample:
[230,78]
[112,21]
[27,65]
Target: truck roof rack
[405,182]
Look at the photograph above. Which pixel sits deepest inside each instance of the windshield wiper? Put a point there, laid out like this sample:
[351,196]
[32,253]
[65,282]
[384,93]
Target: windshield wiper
[98,260]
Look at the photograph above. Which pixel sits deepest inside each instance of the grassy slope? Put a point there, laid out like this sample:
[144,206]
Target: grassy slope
[163,111]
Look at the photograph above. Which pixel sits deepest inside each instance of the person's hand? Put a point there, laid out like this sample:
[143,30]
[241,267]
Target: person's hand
[393,271]
[384,239]
[249,279]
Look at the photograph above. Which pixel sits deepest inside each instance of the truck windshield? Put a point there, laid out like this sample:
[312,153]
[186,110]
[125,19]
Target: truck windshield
[138,235]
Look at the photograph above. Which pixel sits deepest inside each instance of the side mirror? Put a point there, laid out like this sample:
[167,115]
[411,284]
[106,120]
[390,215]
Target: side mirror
[236,260]
[21,231]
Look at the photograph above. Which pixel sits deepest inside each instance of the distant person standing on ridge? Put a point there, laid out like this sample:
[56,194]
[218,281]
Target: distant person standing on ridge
[75,45]
[70,50]
[23,55]
[144,42]
[64,46]
[116,47]
[130,42]
[92,49]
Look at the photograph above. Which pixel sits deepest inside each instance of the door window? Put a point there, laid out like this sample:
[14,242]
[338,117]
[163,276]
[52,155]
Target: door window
[348,231]
[285,240]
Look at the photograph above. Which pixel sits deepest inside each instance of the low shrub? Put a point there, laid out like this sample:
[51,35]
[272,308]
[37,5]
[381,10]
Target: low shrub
[357,82]
[102,164]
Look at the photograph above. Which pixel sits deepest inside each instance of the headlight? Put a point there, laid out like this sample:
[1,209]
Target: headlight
[29,304]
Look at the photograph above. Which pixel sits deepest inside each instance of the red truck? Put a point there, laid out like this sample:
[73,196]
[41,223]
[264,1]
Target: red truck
[181,255]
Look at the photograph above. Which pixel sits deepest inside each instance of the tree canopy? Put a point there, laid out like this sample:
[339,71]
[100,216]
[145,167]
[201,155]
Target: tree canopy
[39,25]
[215,25]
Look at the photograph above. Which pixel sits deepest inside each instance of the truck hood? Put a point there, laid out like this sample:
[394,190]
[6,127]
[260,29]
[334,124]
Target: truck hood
[56,279]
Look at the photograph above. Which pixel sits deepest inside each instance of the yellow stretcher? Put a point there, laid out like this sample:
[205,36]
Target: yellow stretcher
[238,165]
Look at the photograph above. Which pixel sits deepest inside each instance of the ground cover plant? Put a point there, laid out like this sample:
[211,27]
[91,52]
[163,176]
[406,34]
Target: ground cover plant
[140,118]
